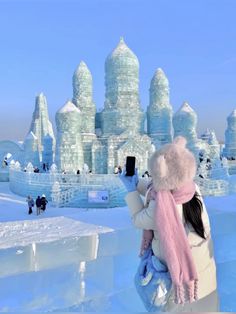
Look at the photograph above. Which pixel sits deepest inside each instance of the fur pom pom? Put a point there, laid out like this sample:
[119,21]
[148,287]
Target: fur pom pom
[162,166]
[180,141]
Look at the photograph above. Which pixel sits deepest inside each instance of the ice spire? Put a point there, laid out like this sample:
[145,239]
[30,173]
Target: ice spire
[41,125]
[214,146]
[83,97]
[185,124]
[159,90]
[82,86]
[230,136]
[122,92]
[159,111]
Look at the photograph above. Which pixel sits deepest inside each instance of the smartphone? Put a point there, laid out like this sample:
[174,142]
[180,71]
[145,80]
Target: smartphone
[130,166]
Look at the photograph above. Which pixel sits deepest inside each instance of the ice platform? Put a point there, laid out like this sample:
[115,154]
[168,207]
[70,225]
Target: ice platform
[62,264]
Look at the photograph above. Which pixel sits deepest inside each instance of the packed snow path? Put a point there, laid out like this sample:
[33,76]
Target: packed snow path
[74,259]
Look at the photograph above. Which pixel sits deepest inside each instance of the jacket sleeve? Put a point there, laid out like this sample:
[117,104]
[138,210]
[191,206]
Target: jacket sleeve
[142,186]
[142,218]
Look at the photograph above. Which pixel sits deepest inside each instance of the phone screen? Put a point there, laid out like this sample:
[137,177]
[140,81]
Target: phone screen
[130,166]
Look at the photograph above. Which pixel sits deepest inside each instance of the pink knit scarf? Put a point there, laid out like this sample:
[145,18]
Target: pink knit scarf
[174,242]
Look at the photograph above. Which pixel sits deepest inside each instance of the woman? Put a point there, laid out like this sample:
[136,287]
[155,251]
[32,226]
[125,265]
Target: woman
[175,214]
[30,203]
[44,202]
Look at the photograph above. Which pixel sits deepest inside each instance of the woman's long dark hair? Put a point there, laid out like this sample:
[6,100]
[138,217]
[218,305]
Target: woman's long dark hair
[192,211]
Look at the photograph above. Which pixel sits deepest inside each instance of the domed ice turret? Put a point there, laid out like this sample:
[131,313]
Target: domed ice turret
[41,125]
[159,111]
[230,136]
[69,148]
[83,97]
[122,109]
[185,124]
[31,153]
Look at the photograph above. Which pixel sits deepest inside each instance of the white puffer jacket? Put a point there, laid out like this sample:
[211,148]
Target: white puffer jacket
[202,250]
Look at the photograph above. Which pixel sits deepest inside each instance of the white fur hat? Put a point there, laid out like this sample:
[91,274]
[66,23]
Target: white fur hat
[172,166]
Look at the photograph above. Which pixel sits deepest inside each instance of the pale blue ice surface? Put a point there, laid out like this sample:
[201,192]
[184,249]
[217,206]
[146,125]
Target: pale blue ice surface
[65,275]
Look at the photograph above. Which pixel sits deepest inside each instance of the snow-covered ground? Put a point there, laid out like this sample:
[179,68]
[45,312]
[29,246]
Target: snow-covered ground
[71,259]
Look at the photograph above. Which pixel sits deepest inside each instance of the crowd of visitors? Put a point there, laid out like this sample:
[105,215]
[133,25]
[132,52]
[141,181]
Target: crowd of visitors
[41,204]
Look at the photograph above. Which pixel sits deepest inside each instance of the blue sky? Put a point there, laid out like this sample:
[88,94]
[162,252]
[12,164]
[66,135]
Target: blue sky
[42,42]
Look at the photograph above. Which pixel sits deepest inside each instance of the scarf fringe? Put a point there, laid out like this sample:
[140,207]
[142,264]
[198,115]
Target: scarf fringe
[186,292]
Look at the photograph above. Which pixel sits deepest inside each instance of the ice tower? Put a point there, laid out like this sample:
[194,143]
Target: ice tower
[122,119]
[214,146]
[218,170]
[230,137]
[31,152]
[69,148]
[47,155]
[41,125]
[185,124]
[83,99]
[159,111]
[122,109]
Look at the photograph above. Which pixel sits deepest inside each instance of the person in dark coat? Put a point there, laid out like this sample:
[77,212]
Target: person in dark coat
[44,202]
[30,202]
[38,205]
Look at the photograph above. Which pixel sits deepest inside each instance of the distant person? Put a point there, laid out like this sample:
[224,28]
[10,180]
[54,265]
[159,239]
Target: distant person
[63,177]
[116,170]
[44,202]
[36,170]
[38,205]
[119,169]
[4,162]
[30,202]
[44,167]
[78,172]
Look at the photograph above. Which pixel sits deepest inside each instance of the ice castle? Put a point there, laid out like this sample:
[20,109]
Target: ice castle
[100,141]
